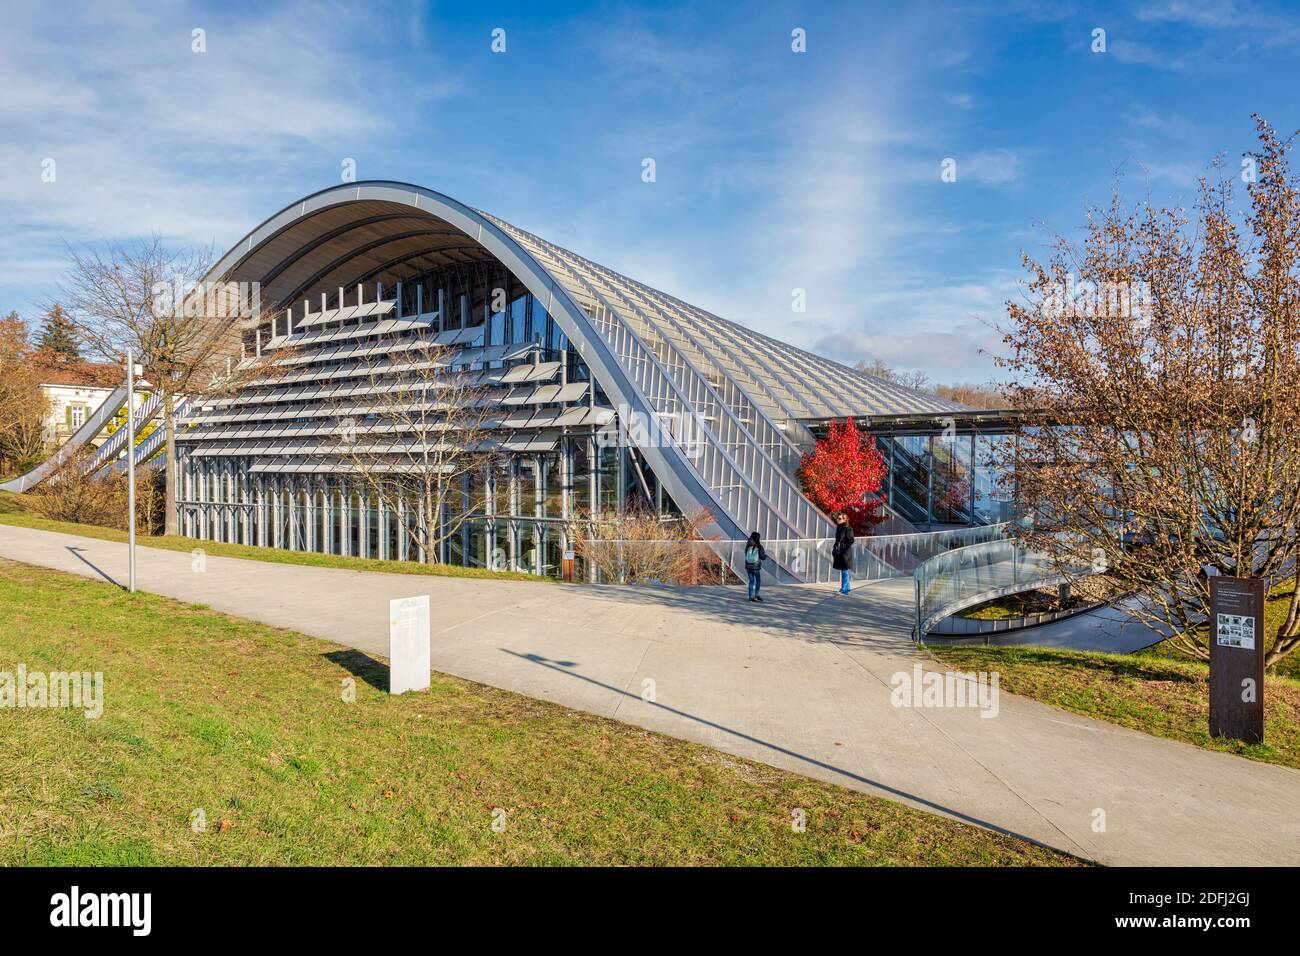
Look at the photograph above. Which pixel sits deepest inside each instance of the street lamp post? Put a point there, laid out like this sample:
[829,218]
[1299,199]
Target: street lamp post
[130,470]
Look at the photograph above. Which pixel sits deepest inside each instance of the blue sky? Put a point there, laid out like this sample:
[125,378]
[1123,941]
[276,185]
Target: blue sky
[775,170]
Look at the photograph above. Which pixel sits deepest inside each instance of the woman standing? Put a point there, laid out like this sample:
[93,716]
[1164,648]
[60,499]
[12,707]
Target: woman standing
[842,550]
[754,558]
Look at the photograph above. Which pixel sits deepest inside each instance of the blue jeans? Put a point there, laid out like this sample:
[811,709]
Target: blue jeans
[844,582]
[755,579]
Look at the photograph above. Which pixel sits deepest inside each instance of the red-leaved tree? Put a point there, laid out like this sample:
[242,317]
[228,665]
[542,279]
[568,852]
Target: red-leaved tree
[844,473]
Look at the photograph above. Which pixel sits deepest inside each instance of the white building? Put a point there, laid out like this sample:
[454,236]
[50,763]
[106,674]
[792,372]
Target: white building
[73,397]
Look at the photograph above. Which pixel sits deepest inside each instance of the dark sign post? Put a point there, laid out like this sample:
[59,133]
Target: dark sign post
[1237,658]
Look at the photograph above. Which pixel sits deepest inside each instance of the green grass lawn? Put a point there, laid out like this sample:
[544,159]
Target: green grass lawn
[249,724]
[1001,609]
[1148,692]
[1013,606]
[14,511]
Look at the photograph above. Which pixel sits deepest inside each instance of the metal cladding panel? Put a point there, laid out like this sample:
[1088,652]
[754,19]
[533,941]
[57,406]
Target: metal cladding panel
[391,192]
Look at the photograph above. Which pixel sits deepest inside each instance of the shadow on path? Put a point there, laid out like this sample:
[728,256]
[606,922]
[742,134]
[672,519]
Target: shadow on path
[564,667]
[876,615]
[76,553]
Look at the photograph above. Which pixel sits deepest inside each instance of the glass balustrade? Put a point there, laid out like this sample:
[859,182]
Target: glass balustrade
[961,578]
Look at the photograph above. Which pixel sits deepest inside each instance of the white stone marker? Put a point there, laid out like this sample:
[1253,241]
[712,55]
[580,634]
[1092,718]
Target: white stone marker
[408,644]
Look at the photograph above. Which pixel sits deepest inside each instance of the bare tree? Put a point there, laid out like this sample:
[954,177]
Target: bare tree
[426,426]
[965,393]
[186,335]
[915,378]
[23,406]
[876,367]
[974,395]
[1158,367]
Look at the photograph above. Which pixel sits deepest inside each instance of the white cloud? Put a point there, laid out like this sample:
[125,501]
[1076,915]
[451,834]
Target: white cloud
[1181,175]
[1137,53]
[1166,124]
[148,135]
[994,167]
[955,353]
[1201,13]
[926,320]
[830,211]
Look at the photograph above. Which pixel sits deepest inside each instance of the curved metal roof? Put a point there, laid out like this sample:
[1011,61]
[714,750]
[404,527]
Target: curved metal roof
[749,394]
[357,232]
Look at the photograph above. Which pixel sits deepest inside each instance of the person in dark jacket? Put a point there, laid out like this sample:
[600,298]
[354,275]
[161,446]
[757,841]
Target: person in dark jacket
[754,558]
[842,550]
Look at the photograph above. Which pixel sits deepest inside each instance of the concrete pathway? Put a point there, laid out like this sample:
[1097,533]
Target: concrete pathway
[801,681]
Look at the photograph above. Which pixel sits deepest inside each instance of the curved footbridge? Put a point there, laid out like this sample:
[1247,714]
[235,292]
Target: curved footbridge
[951,570]
[964,577]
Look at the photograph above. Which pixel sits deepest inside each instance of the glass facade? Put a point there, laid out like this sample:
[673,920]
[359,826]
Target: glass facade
[512,514]
[582,477]
[552,486]
[944,479]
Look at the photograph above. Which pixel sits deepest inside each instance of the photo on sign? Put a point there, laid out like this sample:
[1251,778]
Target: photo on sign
[1236,630]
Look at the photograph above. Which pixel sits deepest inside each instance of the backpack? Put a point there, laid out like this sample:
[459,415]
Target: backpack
[752,559]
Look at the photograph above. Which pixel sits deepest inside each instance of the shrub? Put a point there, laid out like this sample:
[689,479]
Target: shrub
[69,494]
[641,547]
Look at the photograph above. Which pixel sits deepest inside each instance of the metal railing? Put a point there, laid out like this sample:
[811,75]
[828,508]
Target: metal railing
[109,453]
[875,557]
[93,425]
[947,583]
[798,561]
[648,561]
[113,444]
[806,560]
[151,443]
